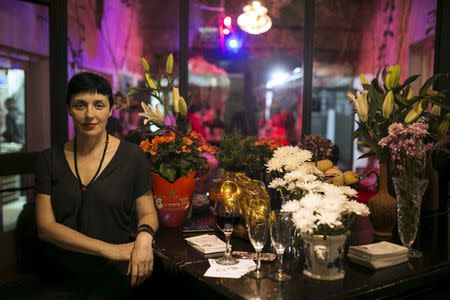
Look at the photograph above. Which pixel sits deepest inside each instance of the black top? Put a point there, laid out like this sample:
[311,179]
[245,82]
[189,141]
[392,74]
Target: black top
[108,213]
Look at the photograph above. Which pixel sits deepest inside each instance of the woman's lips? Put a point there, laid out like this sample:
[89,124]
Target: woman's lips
[90,125]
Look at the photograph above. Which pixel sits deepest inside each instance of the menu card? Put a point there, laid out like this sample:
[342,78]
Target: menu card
[207,243]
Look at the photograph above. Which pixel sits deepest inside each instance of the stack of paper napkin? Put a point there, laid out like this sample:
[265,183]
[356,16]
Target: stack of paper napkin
[207,243]
[378,255]
[233,271]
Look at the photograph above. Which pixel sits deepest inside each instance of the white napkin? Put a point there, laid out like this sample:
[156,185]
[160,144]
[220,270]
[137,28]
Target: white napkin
[233,271]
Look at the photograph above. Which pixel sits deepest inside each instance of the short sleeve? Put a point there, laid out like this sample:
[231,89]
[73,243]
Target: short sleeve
[142,178]
[42,173]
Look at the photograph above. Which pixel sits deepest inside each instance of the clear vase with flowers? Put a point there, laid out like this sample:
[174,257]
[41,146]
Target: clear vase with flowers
[409,152]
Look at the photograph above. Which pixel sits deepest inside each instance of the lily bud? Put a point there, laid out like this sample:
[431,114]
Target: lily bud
[414,113]
[363,79]
[145,65]
[436,110]
[396,78]
[360,104]
[151,84]
[183,107]
[169,64]
[176,100]
[410,93]
[388,105]
[362,144]
[443,127]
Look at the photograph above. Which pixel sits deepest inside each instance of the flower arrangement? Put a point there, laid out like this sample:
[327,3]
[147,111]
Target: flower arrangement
[247,154]
[174,149]
[317,207]
[385,100]
[408,148]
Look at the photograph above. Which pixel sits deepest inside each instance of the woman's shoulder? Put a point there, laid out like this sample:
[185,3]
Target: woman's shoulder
[130,149]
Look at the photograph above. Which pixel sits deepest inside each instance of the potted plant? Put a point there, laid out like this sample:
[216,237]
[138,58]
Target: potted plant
[321,212]
[175,151]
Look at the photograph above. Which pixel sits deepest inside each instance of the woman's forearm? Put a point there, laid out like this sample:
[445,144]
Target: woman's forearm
[69,239]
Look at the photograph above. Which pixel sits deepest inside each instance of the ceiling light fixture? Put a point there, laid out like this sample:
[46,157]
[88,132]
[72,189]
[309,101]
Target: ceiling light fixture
[254,19]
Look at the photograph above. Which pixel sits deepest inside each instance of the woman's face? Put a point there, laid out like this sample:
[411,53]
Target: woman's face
[90,113]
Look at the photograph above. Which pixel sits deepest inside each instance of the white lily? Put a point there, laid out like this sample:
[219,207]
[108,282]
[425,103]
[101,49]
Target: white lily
[152,114]
[360,104]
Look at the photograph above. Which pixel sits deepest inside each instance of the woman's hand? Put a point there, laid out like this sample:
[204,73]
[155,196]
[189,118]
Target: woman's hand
[140,266]
[119,252]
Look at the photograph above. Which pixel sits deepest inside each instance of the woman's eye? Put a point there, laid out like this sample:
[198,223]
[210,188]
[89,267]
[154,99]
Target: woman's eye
[79,105]
[99,105]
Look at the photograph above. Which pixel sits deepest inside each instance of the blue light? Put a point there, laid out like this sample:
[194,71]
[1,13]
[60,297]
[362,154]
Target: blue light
[233,43]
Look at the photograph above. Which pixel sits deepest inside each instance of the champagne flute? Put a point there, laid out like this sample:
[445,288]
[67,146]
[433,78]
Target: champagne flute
[228,215]
[257,227]
[281,236]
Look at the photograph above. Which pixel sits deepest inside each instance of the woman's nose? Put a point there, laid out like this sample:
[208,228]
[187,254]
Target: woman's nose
[90,111]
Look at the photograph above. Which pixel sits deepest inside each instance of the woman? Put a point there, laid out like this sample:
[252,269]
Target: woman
[89,191]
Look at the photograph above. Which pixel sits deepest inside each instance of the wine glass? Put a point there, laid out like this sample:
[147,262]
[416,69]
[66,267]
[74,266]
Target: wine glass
[281,237]
[257,227]
[228,216]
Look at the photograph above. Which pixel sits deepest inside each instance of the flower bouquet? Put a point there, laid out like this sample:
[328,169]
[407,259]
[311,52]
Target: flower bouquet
[175,151]
[409,153]
[321,212]
[384,101]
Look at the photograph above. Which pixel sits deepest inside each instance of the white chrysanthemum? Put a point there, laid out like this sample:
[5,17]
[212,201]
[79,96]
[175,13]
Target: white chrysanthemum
[312,202]
[299,176]
[277,183]
[311,186]
[288,157]
[290,206]
[330,190]
[358,208]
[348,191]
[331,219]
[305,220]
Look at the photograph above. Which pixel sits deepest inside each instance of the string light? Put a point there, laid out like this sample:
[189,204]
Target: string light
[254,19]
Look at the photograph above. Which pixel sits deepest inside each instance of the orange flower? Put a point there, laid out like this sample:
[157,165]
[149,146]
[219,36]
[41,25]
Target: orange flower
[207,148]
[186,149]
[187,140]
[145,145]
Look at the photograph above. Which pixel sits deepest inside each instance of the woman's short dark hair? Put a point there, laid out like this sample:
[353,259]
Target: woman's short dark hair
[86,82]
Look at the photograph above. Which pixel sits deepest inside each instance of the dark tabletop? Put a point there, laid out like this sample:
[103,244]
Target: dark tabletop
[429,275]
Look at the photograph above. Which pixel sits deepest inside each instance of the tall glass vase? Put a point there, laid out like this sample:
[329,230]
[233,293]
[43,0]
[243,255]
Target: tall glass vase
[409,192]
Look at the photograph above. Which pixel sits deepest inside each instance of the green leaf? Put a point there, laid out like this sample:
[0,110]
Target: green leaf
[409,80]
[368,154]
[356,134]
[428,83]
[167,172]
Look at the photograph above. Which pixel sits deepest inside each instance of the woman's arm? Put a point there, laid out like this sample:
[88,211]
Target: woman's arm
[141,262]
[69,239]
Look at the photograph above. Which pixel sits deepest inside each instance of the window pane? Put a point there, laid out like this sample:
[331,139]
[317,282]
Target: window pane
[246,82]
[353,37]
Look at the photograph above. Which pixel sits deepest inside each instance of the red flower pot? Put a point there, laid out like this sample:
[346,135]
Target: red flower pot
[173,200]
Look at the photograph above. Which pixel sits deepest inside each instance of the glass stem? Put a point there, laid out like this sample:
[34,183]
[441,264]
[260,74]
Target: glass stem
[258,261]
[228,248]
[280,263]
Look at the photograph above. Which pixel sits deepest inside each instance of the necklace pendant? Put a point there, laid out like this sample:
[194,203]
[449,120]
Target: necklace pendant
[83,188]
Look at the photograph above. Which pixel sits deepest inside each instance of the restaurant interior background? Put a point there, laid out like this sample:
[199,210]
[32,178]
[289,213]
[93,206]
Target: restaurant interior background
[253,84]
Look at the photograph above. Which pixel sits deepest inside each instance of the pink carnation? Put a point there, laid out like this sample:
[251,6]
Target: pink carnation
[395,128]
[418,129]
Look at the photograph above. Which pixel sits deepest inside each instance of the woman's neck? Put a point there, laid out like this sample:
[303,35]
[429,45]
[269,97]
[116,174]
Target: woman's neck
[87,144]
